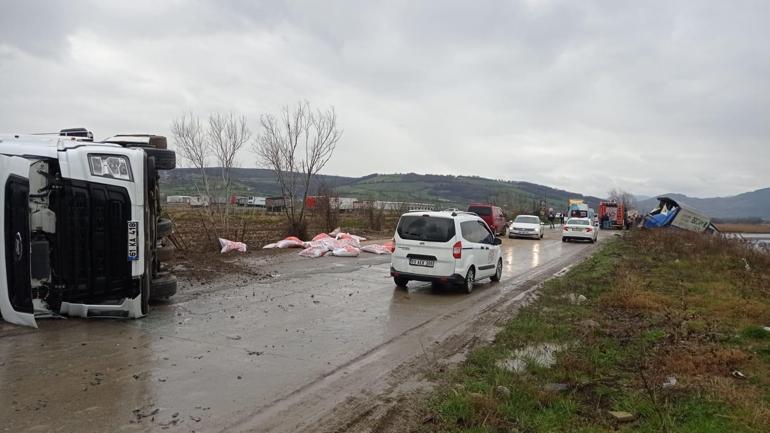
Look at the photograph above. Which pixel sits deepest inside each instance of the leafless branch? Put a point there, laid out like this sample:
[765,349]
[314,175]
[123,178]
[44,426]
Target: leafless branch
[296,145]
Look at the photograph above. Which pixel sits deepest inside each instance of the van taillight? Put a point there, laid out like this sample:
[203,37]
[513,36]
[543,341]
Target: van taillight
[457,250]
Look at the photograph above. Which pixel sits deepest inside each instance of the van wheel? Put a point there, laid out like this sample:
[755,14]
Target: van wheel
[470,278]
[400,282]
[498,271]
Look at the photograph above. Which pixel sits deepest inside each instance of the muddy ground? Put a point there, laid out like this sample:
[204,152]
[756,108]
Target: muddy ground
[264,342]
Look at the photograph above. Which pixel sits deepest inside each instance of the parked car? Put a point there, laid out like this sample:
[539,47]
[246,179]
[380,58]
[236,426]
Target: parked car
[526,226]
[492,215]
[82,229]
[579,229]
[445,247]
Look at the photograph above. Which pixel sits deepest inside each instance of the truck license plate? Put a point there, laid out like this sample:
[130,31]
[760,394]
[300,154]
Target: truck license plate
[133,242]
[421,262]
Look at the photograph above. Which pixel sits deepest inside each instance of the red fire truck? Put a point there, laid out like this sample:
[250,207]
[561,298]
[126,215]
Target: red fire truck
[612,215]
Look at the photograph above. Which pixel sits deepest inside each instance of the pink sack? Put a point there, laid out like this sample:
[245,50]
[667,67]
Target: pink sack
[314,252]
[335,232]
[348,241]
[231,246]
[320,236]
[376,249]
[290,242]
[346,251]
[268,246]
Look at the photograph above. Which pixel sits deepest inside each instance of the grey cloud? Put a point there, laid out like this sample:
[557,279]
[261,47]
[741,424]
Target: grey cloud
[653,97]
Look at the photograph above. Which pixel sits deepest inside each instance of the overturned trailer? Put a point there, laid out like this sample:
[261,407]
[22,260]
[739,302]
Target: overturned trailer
[670,212]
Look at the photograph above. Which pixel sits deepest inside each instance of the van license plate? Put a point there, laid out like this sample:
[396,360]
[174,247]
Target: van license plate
[133,242]
[421,262]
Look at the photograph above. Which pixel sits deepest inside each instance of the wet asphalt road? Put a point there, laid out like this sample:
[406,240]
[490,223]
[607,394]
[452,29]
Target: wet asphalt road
[220,353]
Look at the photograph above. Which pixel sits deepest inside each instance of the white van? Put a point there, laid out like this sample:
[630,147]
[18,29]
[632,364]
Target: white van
[445,247]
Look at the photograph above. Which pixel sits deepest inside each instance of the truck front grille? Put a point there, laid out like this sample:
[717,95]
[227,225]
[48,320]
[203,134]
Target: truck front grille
[91,262]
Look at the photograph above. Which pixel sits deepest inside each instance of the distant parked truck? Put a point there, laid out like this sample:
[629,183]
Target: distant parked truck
[343,204]
[256,202]
[275,204]
[612,215]
[193,201]
[178,199]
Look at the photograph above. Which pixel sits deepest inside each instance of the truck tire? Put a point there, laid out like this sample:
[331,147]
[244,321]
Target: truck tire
[400,282]
[164,254]
[164,159]
[162,287]
[163,228]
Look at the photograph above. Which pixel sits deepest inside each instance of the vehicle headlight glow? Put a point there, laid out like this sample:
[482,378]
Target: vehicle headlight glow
[112,166]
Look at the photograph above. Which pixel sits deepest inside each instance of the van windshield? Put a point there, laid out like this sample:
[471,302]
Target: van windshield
[425,228]
[481,210]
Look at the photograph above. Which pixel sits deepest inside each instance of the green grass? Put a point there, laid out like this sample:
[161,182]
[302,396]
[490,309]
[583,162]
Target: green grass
[666,304]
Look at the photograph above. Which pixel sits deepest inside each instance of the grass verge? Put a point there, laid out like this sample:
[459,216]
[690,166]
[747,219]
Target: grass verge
[671,330]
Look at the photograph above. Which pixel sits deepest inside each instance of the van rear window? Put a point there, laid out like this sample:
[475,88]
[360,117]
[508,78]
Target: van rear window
[424,228]
[481,210]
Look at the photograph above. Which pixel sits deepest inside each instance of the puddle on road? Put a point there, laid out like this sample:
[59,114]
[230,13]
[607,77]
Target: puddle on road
[543,355]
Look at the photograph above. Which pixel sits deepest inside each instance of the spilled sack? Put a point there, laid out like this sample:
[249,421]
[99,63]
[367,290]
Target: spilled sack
[228,246]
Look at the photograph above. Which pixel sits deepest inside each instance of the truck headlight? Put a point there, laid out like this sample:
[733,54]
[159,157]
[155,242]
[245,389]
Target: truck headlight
[112,166]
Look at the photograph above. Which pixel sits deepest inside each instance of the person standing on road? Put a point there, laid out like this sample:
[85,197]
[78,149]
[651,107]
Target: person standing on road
[551,216]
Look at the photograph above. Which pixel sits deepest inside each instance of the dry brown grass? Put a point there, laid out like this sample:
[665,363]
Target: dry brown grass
[744,228]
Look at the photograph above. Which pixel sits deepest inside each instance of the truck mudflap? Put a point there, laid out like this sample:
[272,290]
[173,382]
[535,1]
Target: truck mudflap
[15,286]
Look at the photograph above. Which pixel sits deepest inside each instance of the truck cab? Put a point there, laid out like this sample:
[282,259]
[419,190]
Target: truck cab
[80,229]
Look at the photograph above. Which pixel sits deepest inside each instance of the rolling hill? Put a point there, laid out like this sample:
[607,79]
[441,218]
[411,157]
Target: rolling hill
[445,191]
[754,204]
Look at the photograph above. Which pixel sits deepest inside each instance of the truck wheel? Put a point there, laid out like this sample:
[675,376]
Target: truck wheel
[163,286]
[164,159]
[498,271]
[163,228]
[400,282]
[164,254]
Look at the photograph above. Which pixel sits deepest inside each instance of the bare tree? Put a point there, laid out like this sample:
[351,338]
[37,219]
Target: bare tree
[621,196]
[227,135]
[296,144]
[192,144]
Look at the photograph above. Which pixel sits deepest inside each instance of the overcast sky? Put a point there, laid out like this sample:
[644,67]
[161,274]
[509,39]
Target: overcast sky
[647,96]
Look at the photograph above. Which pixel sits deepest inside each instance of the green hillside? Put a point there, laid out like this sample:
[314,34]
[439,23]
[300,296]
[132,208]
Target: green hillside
[444,191]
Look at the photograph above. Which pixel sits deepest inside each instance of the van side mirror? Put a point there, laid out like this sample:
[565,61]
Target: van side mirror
[497,241]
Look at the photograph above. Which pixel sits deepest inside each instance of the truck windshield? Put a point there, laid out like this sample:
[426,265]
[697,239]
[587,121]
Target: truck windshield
[480,210]
[425,228]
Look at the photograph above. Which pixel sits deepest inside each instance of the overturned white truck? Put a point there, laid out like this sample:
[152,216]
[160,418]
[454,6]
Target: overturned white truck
[81,228]
[669,212]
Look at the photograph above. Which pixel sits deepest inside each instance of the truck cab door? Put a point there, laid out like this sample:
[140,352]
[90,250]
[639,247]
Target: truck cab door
[15,284]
